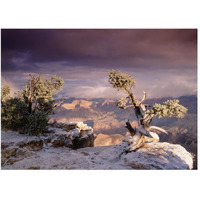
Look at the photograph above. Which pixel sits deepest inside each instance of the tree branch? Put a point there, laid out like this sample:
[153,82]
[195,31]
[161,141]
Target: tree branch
[143,99]
[129,106]
[150,120]
[157,129]
[57,104]
[139,144]
[38,79]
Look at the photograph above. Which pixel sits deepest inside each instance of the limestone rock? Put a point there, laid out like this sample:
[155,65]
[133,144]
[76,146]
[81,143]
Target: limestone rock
[15,147]
[84,141]
[58,141]
[8,152]
[151,156]
[73,149]
[34,144]
[73,135]
[157,155]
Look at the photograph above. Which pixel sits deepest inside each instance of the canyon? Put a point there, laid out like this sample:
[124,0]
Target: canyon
[108,121]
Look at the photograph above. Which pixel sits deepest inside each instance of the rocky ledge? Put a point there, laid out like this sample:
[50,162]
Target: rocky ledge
[16,147]
[55,152]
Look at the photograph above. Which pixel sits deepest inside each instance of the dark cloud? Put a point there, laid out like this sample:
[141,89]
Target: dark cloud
[166,57]
[103,48]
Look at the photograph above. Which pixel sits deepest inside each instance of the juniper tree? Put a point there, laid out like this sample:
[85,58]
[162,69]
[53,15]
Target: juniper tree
[39,91]
[144,115]
[28,113]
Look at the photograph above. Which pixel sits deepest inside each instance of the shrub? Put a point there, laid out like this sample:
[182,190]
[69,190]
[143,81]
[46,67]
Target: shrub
[14,113]
[36,124]
[28,114]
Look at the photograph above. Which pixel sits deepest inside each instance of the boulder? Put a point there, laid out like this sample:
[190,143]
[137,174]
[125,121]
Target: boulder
[74,135]
[159,155]
[84,141]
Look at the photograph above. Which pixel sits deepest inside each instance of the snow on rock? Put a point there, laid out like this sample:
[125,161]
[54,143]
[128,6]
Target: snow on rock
[15,146]
[157,155]
[73,125]
[74,135]
[154,155]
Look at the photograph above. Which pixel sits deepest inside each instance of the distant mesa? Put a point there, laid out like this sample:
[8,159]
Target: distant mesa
[107,102]
[77,103]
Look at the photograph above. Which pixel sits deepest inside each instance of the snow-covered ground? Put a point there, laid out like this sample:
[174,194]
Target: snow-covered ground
[154,155]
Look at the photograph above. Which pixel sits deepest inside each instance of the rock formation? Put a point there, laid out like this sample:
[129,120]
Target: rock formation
[16,147]
[77,103]
[60,149]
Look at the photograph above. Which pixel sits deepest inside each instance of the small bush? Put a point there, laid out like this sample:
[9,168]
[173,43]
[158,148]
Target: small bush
[15,116]
[14,113]
[36,124]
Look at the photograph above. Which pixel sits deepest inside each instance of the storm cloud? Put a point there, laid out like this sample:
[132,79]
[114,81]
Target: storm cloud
[163,61]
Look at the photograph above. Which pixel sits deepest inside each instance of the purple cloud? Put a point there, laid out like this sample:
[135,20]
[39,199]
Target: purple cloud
[163,61]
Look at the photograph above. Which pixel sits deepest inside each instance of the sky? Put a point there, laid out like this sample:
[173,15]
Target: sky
[162,61]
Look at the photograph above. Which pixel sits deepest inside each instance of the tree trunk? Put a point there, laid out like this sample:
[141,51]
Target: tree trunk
[141,131]
[130,128]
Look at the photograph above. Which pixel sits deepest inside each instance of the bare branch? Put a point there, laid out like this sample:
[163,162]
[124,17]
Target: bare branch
[139,144]
[37,80]
[54,106]
[155,128]
[57,104]
[143,99]
[129,106]
[150,120]
[142,106]
[146,117]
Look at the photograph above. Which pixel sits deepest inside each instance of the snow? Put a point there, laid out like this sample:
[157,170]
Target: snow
[153,155]
[74,133]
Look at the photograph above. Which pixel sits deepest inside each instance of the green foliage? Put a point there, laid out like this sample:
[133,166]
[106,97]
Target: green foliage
[122,102]
[124,82]
[36,124]
[41,94]
[13,114]
[170,108]
[28,114]
[5,91]
[121,81]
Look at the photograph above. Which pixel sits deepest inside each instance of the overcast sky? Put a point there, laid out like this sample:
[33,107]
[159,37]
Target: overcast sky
[162,61]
